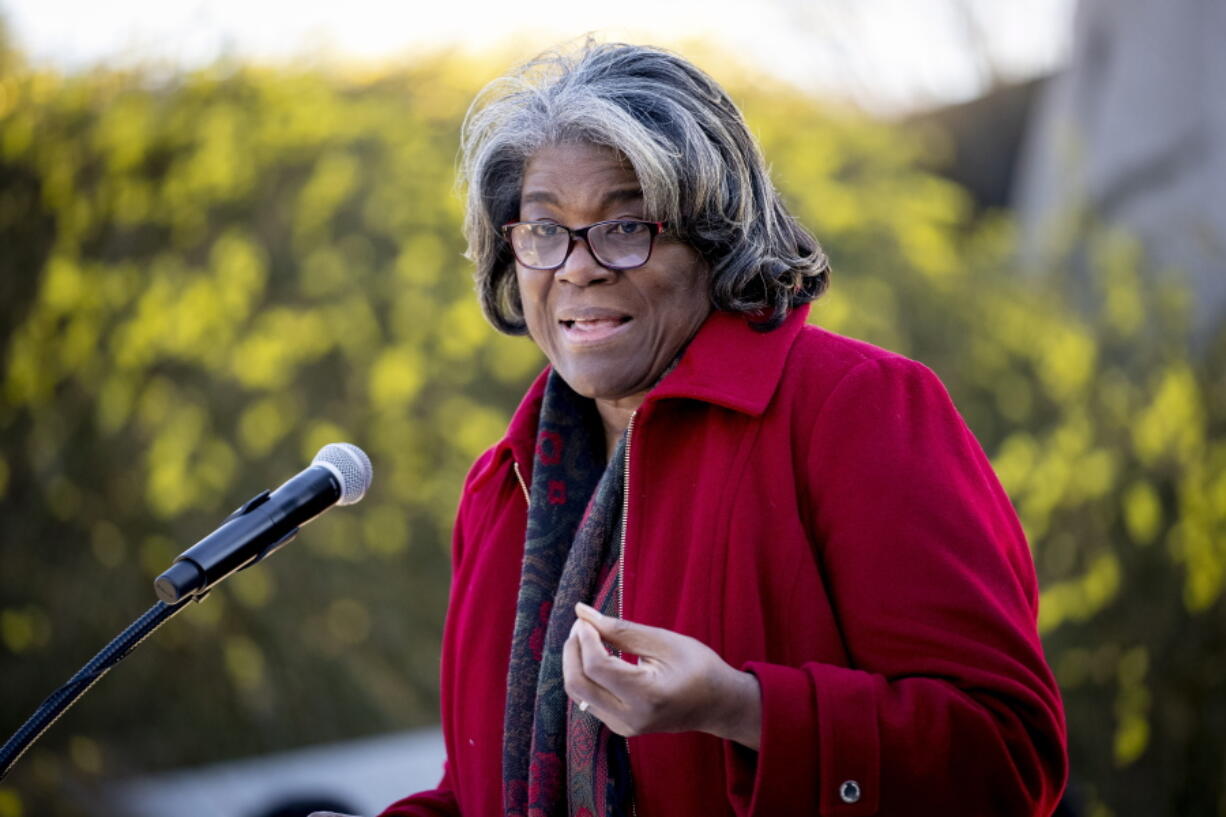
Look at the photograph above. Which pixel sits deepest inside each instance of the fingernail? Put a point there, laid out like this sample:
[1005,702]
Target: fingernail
[581,607]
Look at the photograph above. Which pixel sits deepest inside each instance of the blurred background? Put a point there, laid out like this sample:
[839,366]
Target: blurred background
[229,234]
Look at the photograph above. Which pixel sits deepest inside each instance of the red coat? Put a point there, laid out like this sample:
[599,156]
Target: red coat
[815,510]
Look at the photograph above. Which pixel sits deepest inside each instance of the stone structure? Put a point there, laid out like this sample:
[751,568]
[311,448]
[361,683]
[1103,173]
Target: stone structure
[1133,135]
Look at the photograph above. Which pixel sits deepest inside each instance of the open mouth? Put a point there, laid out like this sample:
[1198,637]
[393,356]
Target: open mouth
[595,324]
[593,330]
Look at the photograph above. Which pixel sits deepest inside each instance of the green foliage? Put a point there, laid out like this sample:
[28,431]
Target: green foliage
[209,280]
[205,279]
[1104,428]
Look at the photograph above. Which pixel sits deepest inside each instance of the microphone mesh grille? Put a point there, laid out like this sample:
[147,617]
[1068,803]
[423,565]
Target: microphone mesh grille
[352,466]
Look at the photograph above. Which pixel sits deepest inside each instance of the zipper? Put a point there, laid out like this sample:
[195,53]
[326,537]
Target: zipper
[522,484]
[621,553]
[621,564]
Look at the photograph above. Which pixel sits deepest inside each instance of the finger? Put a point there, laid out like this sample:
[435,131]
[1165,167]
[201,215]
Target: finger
[575,680]
[621,679]
[628,636]
[601,703]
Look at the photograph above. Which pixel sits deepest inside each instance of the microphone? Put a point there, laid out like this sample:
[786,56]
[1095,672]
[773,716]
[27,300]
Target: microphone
[340,474]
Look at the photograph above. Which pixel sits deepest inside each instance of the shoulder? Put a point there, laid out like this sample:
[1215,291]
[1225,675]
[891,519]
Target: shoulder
[517,443]
[848,400]
[822,363]
[481,475]
[489,490]
[483,466]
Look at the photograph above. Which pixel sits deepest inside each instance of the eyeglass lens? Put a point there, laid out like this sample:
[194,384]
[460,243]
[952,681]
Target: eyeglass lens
[615,244]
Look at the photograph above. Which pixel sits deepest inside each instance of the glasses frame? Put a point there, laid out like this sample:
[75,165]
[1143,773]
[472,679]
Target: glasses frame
[655,228]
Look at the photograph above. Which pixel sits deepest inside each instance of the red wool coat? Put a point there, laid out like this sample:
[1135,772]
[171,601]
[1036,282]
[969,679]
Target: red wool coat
[815,510]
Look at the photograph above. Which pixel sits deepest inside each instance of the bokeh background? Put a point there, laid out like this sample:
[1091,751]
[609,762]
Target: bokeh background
[231,236]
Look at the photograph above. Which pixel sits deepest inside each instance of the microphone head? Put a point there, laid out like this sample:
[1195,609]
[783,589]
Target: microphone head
[351,467]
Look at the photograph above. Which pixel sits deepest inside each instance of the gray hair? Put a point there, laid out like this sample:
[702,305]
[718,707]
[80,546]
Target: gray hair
[698,166]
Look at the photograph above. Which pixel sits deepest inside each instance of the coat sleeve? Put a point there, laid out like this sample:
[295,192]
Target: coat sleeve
[947,705]
[441,801]
[438,802]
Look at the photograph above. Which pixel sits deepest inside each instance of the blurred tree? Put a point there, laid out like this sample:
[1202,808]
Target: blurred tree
[207,278]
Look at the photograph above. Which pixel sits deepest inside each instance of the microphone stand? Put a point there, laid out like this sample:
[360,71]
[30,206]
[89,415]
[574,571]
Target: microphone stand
[340,473]
[59,701]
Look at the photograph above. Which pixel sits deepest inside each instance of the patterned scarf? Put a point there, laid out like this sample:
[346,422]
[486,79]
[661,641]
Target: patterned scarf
[557,760]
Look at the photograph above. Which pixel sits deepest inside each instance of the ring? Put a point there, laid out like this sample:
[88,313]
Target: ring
[583,705]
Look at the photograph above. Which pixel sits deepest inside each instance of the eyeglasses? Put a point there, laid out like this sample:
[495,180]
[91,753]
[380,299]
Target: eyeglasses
[618,244]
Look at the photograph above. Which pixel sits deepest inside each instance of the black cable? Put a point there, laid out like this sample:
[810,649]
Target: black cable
[57,702]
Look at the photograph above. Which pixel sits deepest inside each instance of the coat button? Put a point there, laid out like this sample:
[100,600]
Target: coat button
[849,792]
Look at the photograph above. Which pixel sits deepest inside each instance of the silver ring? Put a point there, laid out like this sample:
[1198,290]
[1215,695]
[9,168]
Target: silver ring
[583,705]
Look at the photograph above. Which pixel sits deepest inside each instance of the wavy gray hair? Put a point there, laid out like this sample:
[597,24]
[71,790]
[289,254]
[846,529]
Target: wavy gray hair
[698,166]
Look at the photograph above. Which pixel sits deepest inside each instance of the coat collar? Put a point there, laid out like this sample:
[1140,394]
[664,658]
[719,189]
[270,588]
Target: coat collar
[728,363]
[731,364]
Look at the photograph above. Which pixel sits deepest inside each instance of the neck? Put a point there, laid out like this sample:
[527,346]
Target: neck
[615,417]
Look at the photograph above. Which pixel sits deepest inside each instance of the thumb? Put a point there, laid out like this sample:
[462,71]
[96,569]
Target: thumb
[627,636]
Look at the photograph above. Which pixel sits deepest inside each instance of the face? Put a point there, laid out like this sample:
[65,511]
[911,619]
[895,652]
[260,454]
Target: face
[609,334]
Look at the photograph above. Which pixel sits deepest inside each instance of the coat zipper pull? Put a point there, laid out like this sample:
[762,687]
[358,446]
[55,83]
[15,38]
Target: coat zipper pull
[522,484]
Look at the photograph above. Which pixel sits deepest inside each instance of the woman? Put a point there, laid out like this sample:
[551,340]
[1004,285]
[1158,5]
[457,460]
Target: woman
[813,595]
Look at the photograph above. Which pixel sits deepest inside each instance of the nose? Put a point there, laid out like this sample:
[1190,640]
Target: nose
[581,267]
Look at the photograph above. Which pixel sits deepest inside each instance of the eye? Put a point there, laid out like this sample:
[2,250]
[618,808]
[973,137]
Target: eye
[629,227]
[544,229]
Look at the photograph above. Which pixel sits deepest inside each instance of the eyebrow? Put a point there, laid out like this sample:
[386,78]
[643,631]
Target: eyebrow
[624,194]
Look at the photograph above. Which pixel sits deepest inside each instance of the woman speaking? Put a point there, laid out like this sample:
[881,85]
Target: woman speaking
[723,562]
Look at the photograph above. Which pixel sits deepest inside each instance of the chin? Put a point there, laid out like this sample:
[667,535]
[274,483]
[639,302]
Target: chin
[596,386]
